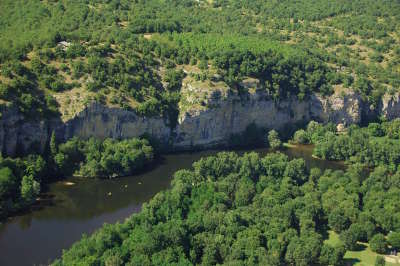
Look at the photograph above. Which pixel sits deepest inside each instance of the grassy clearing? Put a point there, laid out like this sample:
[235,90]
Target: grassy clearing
[363,256]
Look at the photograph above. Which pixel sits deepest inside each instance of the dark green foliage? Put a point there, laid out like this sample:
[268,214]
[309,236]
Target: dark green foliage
[378,243]
[273,140]
[7,181]
[20,182]
[301,137]
[30,188]
[23,93]
[53,144]
[21,178]
[375,147]
[75,50]
[372,146]
[349,239]
[392,129]
[380,261]
[332,255]
[283,70]
[174,79]
[108,158]
[394,240]
[314,133]
[376,130]
[339,222]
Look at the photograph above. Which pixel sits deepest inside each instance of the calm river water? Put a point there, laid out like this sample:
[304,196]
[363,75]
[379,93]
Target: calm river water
[76,206]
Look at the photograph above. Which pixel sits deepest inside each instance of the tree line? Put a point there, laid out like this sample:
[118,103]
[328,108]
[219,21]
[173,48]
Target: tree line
[21,179]
[375,145]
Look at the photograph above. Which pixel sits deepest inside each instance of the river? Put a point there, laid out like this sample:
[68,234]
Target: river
[77,206]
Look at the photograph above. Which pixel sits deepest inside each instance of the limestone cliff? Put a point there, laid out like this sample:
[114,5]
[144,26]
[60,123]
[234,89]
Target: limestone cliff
[103,122]
[391,106]
[19,135]
[211,122]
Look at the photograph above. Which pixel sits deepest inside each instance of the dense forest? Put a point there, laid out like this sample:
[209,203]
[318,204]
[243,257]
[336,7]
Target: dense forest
[135,54]
[21,179]
[247,210]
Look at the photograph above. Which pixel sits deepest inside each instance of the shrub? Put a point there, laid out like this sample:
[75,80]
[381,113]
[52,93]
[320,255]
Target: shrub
[93,86]
[349,238]
[394,239]
[301,137]
[332,255]
[378,243]
[274,140]
[380,261]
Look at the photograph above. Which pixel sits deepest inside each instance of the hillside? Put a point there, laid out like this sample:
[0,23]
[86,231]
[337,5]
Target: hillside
[134,55]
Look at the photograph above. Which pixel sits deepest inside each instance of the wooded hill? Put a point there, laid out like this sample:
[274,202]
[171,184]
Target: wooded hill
[57,56]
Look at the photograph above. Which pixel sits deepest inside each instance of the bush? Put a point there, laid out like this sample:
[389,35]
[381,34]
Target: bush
[174,79]
[349,238]
[75,50]
[7,182]
[394,239]
[78,69]
[301,137]
[378,243]
[274,140]
[332,255]
[30,188]
[375,130]
[380,261]
[337,220]
[5,91]
[93,86]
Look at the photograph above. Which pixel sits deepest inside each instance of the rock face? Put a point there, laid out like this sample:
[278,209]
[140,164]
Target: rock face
[18,135]
[391,106]
[207,126]
[102,122]
[233,115]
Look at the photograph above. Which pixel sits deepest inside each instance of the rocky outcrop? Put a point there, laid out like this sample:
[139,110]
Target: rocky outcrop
[224,114]
[339,108]
[390,108]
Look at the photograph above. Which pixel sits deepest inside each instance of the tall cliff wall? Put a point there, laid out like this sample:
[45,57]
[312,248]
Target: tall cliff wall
[206,126]
[232,115]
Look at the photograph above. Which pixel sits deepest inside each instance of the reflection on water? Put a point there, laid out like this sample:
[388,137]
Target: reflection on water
[77,205]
